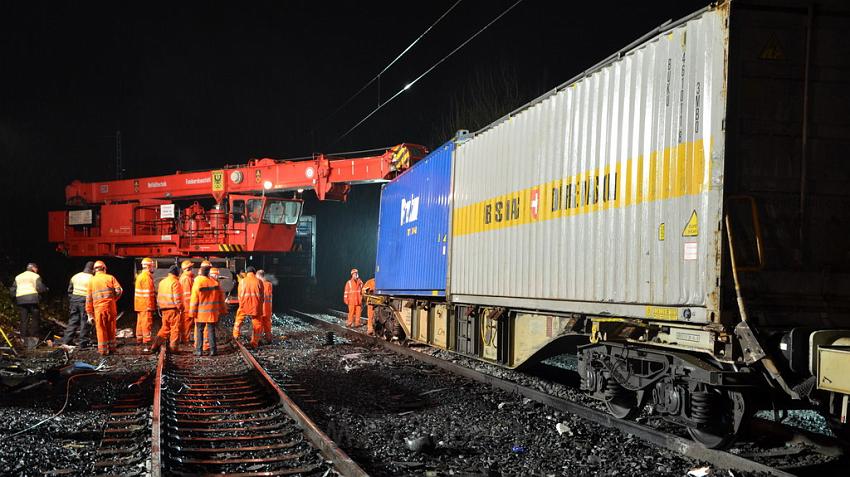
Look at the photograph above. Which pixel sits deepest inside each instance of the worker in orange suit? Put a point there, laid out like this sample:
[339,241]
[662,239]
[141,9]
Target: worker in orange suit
[368,289]
[169,299]
[205,307]
[239,317]
[186,280]
[263,327]
[214,274]
[352,297]
[102,307]
[145,301]
[251,292]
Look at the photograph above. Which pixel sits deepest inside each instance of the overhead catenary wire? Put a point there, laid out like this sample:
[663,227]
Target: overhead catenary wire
[398,57]
[438,63]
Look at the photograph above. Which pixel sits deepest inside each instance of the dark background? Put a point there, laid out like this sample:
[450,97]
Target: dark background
[200,85]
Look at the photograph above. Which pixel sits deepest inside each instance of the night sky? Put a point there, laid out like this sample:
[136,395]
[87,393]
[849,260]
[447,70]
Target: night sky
[200,85]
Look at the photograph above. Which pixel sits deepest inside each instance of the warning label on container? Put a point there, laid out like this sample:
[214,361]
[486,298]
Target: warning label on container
[692,227]
[772,50]
[691,250]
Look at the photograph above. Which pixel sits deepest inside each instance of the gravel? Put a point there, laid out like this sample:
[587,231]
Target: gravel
[397,416]
[65,445]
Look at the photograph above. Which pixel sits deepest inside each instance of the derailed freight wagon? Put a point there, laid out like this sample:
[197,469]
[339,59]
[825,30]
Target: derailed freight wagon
[597,220]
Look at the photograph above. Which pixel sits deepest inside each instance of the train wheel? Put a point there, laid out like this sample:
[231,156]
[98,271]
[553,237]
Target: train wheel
[719,410]
[621,402]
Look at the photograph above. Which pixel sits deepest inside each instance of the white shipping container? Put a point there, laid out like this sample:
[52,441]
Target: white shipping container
[603,197]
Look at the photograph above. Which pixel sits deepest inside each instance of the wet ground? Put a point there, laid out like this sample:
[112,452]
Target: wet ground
[397,416]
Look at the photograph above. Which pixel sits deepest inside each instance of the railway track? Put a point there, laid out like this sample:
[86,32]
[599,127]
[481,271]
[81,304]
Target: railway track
[224,415]
[658,437]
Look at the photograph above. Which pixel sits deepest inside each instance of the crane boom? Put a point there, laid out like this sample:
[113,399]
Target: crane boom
[234,209]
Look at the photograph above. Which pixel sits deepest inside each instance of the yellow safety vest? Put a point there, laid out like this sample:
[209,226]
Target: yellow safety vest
[26,283]
[80,282]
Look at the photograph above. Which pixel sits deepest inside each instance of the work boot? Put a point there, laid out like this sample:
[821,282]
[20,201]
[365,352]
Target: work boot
[198,352]
[154,345]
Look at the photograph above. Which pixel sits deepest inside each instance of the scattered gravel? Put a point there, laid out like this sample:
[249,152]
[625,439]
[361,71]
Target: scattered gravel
[66,444]
[397,416]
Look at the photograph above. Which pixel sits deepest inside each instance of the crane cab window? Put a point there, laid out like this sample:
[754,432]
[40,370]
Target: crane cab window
[282,212]
[253,211]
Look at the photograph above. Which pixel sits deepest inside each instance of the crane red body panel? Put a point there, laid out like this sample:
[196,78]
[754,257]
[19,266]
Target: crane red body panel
[230,210]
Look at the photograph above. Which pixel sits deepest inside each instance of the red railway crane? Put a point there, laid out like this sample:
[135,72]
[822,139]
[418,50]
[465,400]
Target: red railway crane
[228,211]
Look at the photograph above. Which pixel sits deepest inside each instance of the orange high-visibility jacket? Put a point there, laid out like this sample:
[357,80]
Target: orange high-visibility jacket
[267,299]
[351,296]
[145,294]
[186,281]
[251,295]
[207,301]
[169,296]
[103,294]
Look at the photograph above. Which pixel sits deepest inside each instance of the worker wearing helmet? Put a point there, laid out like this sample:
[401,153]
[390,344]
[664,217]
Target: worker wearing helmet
[169,299]
[186,280]
[352,297]
[206,305]
[250,292]
[27,290]
[368,290]
[78,290]
[263,327]
[145,301]
[102,307]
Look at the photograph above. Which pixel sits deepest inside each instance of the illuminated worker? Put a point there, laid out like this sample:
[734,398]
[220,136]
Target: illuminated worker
[186,280]
[206,305]
[169,299]
[102,307]
[250,292]
[368,289]
[27,290]
[78,323]
[145,301]
[262,328]
[352,297]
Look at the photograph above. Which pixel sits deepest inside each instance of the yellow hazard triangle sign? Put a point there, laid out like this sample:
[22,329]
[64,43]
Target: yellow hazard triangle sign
[692,227]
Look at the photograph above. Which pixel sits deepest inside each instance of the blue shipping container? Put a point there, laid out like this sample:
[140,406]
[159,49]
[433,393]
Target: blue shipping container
[413,228]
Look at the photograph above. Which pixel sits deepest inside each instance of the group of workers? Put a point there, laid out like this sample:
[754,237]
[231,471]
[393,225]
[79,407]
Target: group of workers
[183,301]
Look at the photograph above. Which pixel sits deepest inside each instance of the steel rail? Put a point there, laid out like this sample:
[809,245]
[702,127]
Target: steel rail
[654,436]
[164,410]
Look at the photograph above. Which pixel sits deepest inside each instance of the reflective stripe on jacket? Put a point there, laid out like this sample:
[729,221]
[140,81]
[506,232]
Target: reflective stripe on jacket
[207,302]
[103,294]
[169,296]
[267,298]
[186,281]
[80,284]
[145,299]
[251,295]
[351,296]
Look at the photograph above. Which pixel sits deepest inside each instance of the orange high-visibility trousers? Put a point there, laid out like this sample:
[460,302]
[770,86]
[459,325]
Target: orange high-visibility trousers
[370,321]
[257,330]
[171,321]
[187,327]
[104,323]
[354,312]
[144,324]
[267,326]
[237,324]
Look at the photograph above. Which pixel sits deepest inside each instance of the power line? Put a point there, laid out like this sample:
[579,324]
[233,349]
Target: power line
[378,76]
[408,85]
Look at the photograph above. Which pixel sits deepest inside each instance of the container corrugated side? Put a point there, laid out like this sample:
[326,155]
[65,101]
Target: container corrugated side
[413,228]
[605,196]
